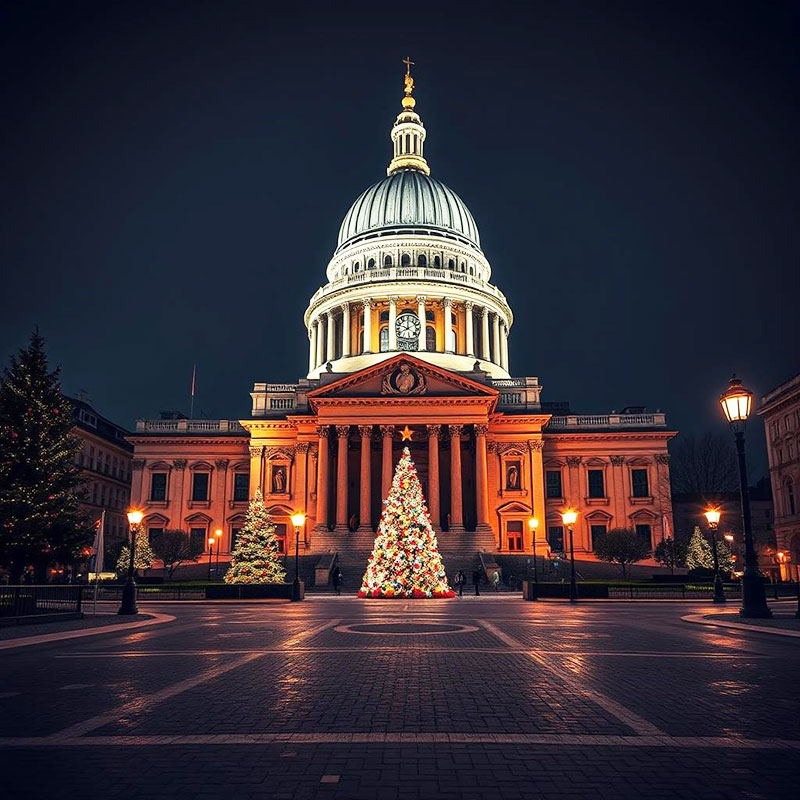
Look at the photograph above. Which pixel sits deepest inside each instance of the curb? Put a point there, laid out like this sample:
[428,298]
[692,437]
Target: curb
[25,641]
[700,619]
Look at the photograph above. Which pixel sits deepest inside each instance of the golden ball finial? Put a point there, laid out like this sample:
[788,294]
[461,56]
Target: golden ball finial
[409,102]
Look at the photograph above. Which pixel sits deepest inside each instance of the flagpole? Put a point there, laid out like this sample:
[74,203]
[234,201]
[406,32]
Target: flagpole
[191,403]
[98,557]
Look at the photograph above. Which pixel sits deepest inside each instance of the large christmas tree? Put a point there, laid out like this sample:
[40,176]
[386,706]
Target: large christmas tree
[143,556]
[255,558]
[405,561]
[40,521]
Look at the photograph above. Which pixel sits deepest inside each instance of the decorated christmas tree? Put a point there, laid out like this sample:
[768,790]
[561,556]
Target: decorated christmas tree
[405,561]
[255,558]
[143,556]
[698,554]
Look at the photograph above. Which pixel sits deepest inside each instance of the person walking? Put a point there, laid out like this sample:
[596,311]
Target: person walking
[338,579]
[496,581]
[476,579]
[461,579]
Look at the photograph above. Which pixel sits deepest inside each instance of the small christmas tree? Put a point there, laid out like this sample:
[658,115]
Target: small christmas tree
[698,554]
[405,560]
[143,556]
[255,559]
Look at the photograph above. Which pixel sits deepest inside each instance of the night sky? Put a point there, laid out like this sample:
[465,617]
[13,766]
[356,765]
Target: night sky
[174,176]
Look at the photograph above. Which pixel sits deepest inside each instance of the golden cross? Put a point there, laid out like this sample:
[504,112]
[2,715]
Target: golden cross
[409,63]
[406,433]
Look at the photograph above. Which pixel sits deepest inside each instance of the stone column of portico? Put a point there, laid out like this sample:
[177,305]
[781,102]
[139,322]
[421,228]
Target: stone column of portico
[320,342]
[393,324]
[485,333]
[618,482]
[504,347]
[434,504]
[342,434]
[256,454]
[468,306]
[448,325]
[364,521]
[422,324]
[456,513]
[323,461]
[367,326]
[481,477]
[345,330]
[138,496]
[496,339]
[536,447]
[300,488]
[387,432]
[573,469]
[312,346]
[330,348]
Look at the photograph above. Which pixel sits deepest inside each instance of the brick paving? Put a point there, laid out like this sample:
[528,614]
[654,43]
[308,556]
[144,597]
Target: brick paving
[348,699]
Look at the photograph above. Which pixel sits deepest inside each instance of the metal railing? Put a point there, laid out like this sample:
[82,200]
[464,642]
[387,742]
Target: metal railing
[607,420]
[29,601]
[189,425]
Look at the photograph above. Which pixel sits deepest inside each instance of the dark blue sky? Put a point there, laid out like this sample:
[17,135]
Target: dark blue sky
[174,175]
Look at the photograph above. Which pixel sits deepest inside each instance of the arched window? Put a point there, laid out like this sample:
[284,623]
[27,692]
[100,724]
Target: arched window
[384,339]
[408,143]
[790,504]
[430,338]
[405,260]
[422,261]
[371,264]
[437,262]
[384,316]
[429,316]
[472,270]
[463,267]
[387,261]
[451,264]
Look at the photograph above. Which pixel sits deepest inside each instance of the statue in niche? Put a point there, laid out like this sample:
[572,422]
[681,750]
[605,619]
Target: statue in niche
[512,476]
[278,480]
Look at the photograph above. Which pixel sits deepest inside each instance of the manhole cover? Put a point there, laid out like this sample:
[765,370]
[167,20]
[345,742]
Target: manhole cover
[405,628]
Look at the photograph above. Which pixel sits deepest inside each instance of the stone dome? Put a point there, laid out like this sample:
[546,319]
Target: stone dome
[409,201]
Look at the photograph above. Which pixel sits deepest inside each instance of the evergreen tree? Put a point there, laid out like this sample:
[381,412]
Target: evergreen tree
[40,519]
[724,555]
[405,561]
[698,554]
[255,558]
[143,556]
[670,553]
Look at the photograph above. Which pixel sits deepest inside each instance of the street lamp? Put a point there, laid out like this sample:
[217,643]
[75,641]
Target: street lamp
[569,518]
[736,404]
[533,524]
[218,537]
[211,541]
[298,520]
[712,516]
[128,604]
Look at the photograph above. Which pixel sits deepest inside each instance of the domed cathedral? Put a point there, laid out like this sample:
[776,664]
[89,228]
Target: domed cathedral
[408,346]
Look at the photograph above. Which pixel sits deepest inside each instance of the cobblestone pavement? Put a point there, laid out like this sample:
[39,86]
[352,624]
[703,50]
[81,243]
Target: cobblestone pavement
[375,699]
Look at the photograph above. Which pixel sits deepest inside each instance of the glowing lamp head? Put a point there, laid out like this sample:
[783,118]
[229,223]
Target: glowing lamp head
[728,537]
[218,533]
[533,523]
[298,519]
[135,516]
[736,402]
[712,515]
[569,517]
[211,541]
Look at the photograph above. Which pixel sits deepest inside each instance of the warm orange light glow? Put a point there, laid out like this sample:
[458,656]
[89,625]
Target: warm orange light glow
[211,541]
[736,402]
[728,537]
[569,517]
[218,533]
[533,523]
[298,519]
[135,516]
[713,515]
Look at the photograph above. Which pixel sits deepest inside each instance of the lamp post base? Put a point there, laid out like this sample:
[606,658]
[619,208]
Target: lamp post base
[128,604]
[295,590]
[754,603]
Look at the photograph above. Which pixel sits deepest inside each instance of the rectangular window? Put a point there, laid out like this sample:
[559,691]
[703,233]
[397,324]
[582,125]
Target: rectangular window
[555,538]
[514,531]
[643,532]
[158,486]
[280,533]
[200,486]
[596,484]
[197,539]
[241,487]
[553,483]
[234,537]
[153,535]
[639,482]
[597,531]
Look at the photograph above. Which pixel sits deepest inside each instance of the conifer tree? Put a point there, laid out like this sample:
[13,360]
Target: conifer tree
[256,558]
[40,519]
[698,554]
[405,561]
[143,556]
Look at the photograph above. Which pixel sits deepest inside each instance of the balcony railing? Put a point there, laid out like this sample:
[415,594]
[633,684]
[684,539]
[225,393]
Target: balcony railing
[572,421]
[188,426]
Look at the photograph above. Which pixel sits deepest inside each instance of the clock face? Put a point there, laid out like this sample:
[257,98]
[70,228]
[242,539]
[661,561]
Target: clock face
[407,327]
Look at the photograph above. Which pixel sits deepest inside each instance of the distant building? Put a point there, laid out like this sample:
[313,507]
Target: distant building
[780,410]
[106,461]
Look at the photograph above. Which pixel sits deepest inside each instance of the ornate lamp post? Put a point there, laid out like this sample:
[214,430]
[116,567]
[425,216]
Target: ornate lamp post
[712,516]
[128,604]
[533,524]
[569,517]
[218,537]
[211,541]
[736,403]
[298,520]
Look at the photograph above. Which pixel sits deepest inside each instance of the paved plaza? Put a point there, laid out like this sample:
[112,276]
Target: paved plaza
[343,698]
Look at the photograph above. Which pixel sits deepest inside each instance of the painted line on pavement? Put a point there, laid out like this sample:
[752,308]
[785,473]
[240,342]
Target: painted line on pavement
[633,721]
[699,619]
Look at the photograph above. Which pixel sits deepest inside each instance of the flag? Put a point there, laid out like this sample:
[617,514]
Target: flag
[667,531]
[99,543]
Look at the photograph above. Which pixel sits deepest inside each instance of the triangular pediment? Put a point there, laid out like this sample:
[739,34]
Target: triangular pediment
[402,377]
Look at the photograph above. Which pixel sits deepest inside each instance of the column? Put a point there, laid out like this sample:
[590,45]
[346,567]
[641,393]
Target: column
[618,491]
[342,434]
[422,330]
[456,514]
[434,505]
[312,346]
[481,477]
[386,460]
[504,347]
[330,352]
[393,324]
[320,342]
[220,480]
[575,500]
[536,447]
[256,452]
[663,492]
[364,512]
[470,344]
[300,487]
[367,326]
[345,330]
[322,477]
[448,325]
[496,339]
[139,496]
[176,493]
[485,333]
